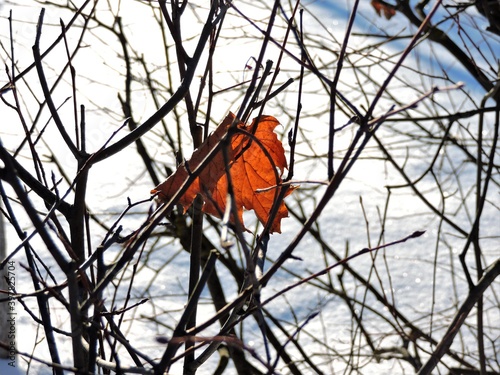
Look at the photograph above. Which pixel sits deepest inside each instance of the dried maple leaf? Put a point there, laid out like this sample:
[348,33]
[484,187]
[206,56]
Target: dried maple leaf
[381,7]
[251,169]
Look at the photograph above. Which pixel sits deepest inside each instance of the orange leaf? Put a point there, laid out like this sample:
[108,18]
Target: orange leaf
[251,169]
[381,7]
[207,179]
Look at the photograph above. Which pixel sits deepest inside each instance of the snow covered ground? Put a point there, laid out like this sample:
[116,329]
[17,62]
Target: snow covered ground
[415,275]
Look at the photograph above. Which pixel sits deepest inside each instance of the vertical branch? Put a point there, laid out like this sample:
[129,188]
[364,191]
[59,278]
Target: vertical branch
[73,83]
[333,90]
[12,79]
[80,357]
[292,136]
[194,274]
[208,74]
[43,82]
